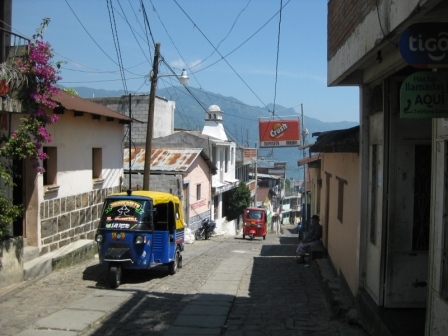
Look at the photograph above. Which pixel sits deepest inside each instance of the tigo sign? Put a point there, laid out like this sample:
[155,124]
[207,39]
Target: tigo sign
[279,133]
[425,45]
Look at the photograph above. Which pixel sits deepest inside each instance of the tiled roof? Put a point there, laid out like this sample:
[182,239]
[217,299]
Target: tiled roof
[75,103]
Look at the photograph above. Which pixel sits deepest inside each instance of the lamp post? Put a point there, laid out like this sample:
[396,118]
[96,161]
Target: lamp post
[183,79]
[304,210]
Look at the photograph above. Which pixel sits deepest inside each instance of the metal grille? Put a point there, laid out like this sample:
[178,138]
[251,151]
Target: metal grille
[444,289]
[422,198]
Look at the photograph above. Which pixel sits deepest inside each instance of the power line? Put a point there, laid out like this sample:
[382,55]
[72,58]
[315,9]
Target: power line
[223,58]
[113,27]
[278,51]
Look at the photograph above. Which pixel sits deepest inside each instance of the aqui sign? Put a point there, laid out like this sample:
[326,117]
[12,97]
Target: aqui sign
[424,94]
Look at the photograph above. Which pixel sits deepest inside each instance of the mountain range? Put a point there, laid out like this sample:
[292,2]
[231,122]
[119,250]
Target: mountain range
[240,120]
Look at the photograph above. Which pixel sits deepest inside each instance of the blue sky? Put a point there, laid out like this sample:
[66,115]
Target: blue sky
[266,59]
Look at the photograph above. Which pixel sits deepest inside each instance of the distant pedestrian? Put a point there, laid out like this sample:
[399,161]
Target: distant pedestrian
[312,237]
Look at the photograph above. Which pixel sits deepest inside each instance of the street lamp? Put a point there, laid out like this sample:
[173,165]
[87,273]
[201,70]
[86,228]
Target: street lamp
[183,79]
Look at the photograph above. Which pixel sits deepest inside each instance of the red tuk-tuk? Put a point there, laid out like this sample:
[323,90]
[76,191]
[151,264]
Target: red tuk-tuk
[255,223]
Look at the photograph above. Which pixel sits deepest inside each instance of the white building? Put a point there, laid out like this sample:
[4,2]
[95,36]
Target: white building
[223,155]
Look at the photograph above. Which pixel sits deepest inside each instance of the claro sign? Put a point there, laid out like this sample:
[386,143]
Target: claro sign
[279,133]
[425,45]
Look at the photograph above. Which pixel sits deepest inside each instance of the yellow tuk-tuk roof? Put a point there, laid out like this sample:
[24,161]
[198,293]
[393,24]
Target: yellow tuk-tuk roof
[158,197]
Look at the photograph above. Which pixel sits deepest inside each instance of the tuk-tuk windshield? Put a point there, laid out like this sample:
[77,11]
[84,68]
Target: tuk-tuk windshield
[254,214]
[127,214]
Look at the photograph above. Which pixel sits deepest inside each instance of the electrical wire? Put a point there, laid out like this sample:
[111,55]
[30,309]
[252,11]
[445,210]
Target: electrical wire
[278,51]
[231,28]
[124,17]
[169,36]
[222,57]
[113,27]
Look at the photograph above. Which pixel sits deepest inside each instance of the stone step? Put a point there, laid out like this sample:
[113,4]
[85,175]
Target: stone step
[65,256]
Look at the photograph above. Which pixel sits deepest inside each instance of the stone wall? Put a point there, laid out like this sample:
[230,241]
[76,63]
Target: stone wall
[68,219]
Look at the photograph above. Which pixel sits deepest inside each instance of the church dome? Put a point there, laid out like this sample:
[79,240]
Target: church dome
[214,108]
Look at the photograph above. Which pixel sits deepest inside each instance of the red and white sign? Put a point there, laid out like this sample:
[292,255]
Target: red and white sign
[279,133]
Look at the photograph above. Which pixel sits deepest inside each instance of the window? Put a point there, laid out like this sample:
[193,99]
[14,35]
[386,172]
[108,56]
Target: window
[97,163]
[50,165]
[341,183]
[198,192]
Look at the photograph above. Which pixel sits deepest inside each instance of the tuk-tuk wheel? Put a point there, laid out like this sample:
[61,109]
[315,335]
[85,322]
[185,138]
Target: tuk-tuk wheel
[251,236]
[244,236]
[264,237]
[114,276]
[172,267]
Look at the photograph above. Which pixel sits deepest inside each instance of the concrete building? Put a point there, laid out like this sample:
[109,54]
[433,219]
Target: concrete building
[136,106]
[185,172]
[222,153]
[389,49]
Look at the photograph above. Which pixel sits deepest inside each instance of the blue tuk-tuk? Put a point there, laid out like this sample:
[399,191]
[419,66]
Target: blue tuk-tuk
[140,230]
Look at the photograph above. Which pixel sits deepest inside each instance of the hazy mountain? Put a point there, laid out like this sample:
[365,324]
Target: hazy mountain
[240,120]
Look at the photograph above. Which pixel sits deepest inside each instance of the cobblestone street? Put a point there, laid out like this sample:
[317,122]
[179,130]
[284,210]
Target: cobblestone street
[274,296]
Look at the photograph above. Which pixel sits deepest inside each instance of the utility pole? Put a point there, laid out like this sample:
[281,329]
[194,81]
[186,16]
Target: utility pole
[130,144]
[150,126]
[304,212]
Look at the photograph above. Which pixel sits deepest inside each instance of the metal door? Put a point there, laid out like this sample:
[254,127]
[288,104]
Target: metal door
[408,235]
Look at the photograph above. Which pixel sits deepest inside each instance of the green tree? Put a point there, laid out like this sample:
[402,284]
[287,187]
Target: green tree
[287,184]
[239,201]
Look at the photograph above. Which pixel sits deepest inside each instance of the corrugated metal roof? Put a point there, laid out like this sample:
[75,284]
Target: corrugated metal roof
[76,103]
[169,159]
[337,141]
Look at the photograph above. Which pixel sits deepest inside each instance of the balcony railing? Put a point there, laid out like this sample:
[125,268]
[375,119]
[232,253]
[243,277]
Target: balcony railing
[13,46]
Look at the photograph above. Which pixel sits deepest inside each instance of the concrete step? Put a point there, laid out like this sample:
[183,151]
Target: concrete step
[66,256]
[30,253]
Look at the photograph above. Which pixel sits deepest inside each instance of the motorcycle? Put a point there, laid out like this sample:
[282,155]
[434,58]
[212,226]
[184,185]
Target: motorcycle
[205,230]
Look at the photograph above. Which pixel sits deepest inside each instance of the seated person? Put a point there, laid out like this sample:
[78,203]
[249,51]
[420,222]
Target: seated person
[312,237]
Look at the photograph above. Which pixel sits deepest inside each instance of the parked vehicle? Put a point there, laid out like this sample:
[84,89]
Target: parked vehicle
[206,229]
[140,230]
[255,223]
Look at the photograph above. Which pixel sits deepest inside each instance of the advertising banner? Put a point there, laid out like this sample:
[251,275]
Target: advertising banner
[424,94]
[279,133]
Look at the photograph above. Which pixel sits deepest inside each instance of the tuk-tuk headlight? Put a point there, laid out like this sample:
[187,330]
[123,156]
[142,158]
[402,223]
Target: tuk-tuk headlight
[99,238]
[259,226]
[140,239]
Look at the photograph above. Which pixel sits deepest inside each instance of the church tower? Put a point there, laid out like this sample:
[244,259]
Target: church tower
[213,123]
